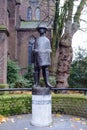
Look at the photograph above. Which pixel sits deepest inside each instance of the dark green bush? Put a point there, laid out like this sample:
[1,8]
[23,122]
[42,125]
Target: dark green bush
[22,83]
[52,80]
[15,80]
[12,72]
[64,104]
[78,71]
[29,75]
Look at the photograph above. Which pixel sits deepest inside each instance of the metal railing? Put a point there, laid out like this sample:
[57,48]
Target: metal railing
[56,90]
[84,90]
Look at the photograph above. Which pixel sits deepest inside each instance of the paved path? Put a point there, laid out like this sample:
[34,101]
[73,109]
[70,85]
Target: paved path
[60,122]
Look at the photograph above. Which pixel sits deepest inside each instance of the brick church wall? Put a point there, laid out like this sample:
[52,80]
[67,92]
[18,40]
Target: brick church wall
[43,8]
[12,30]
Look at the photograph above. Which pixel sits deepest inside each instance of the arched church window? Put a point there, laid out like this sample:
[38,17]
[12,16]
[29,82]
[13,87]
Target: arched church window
[29,13]
[30,48]
[37,13]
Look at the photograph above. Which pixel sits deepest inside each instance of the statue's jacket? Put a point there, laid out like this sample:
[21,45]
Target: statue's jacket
[42,51]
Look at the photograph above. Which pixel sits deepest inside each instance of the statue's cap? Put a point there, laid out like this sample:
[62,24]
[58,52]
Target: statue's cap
[42,26]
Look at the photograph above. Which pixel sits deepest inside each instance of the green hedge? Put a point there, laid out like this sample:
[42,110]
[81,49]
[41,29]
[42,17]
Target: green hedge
[64,104]
[70,104]
[15,104]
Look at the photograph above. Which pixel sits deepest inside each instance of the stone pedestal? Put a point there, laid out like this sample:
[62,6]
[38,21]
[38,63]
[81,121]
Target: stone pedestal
[41,107]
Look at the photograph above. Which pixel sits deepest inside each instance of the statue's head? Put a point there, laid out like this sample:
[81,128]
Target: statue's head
[42,28]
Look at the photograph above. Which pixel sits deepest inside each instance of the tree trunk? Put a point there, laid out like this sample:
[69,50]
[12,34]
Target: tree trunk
[63,68]
[64,58]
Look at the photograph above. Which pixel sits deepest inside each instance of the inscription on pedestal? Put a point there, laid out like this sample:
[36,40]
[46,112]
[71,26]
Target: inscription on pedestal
[41,102]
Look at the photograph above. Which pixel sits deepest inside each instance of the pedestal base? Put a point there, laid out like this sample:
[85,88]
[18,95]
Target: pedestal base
[41,107]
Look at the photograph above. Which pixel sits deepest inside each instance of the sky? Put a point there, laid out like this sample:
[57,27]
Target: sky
[79,39]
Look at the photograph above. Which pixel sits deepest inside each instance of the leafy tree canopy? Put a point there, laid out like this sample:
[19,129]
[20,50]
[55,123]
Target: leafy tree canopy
[78,72]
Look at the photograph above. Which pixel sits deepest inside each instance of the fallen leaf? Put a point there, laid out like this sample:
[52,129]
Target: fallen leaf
[58,115]
[3,119]
[77,119]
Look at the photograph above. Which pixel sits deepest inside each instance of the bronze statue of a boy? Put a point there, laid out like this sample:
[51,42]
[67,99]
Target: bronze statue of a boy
[42,50]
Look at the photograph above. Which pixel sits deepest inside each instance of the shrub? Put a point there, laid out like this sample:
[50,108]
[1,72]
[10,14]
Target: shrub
[11,85]
[61,103]
[12,72]
[78,71]
[22,83]
[29,75]
[15,104]
[70,104]
[52,80]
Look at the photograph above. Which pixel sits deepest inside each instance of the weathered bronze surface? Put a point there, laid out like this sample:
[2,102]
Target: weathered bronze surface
[40,91]
[42,60]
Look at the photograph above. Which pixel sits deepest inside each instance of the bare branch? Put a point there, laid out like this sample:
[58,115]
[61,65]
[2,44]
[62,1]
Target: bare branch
[70,9]
[79,10]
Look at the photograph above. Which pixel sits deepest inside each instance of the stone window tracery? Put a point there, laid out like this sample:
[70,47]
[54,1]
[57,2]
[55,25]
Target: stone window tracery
[38,13]
[29,13]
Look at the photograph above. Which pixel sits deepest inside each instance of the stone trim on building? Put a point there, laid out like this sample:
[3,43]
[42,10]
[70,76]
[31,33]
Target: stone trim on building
[3,55]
